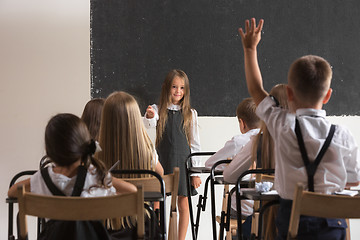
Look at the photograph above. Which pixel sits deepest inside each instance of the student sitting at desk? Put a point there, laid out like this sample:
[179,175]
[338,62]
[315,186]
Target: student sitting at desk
[68,145]
[72,171]
[124,141]
[247,158]
[123,137]
[249,126]
[308,89]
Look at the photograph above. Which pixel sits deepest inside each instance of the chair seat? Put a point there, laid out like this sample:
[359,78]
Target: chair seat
[153,196]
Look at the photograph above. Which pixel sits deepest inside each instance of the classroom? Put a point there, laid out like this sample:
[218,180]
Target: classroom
[45,69]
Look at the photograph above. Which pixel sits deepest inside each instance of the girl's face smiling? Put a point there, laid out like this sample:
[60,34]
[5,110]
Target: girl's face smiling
[177,90]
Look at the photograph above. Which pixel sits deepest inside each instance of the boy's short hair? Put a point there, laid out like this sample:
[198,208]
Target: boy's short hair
[310,78]
[246,111]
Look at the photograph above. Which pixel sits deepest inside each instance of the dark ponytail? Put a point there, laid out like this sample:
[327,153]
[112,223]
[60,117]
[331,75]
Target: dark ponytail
[67,140]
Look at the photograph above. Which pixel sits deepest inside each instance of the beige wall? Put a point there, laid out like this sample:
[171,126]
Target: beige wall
[45,69]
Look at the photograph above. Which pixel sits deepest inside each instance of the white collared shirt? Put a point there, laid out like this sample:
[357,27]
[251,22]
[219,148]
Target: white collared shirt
[195,137]
[240,163]
[231,148]
[92,187]
[339,165]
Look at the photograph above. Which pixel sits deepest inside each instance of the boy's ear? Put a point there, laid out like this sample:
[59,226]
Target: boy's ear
[242,125]
[327,96]
[289,93]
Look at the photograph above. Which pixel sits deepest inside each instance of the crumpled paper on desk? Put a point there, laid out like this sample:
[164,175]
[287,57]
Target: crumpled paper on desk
[263,186]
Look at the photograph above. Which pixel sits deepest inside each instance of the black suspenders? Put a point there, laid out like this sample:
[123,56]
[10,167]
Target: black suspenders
[312,166]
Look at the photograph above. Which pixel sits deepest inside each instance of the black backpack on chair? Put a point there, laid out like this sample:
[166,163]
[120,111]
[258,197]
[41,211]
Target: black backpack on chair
[71,230]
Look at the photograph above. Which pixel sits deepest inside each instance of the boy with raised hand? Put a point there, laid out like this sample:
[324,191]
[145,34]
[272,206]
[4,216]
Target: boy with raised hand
[308,89]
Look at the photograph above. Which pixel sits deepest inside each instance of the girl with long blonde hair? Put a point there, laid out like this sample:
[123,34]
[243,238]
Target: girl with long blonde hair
[123,137]
[177,135]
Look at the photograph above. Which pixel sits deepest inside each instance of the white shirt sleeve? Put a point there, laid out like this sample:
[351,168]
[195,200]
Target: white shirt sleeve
[151,122]
[226,152]
[231,148]
[195,139]
[351,157]
[155,157]
[274,117]
[240,163]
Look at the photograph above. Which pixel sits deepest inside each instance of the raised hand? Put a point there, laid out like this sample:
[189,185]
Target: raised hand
[150,112]
[252,35]
[250,40]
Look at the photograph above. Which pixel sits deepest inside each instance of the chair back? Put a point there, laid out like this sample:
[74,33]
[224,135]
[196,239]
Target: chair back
[166,184]
[80,208]
[321,205]
[10,201]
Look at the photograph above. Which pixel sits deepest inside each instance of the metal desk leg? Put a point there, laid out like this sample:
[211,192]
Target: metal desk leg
[163,219]
[213,213]
[187,166]
[10,221]
[222,225]
[190,204]
[201,205]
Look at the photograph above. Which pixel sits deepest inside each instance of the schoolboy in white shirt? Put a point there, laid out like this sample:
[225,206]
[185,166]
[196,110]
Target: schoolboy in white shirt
[308,89]
[249,124]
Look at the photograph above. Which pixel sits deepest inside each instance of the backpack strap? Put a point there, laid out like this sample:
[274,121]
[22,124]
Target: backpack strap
[312,166]
[79,182]
[50,185]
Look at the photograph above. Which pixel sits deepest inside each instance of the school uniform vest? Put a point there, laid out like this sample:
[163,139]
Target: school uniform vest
[173,148]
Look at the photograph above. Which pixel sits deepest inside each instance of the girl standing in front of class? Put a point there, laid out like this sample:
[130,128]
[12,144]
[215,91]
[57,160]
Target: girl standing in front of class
[177,135]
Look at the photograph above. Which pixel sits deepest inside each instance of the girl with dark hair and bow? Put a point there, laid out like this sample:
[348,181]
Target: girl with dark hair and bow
[70,150]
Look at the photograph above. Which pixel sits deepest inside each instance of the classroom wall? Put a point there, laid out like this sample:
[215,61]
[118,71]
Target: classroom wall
[45,69]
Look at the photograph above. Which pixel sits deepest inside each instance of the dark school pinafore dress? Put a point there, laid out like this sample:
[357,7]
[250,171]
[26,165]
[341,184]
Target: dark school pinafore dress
[173,149]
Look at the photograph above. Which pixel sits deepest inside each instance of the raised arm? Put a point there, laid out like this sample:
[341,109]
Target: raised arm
[250,40]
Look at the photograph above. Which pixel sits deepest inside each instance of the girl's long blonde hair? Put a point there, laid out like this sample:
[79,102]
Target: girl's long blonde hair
[123,137]
[165,101]
[122,134]
[267,145]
